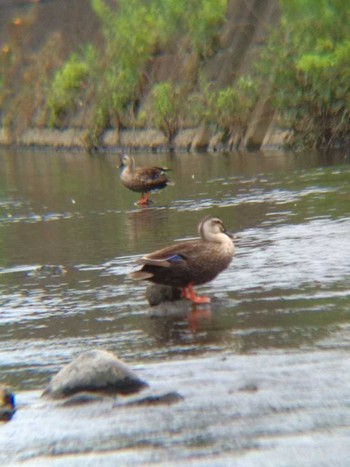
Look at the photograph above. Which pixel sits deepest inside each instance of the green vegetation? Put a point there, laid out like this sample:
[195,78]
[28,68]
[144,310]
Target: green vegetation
[167,107]
[227,108]
[111,81]
[112,84]
[195,21]
[66,87]
[23,95]
[307,63]
[133,34]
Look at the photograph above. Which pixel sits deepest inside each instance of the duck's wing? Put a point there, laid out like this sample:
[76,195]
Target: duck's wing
[151,174]
[177,254]
[163,262]
[165,258]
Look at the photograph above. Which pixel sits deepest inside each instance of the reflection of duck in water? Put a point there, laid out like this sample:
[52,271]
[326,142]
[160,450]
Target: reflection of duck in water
[190,263]
[142,179]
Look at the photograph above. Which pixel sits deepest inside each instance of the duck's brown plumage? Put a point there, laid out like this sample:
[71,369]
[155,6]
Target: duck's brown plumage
[142,179]
[190,263]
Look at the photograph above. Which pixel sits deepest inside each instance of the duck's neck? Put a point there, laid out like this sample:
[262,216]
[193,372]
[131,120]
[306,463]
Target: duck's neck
[130,167]
[217,238]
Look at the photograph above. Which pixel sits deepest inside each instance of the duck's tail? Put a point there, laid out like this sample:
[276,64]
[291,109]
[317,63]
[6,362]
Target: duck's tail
[140,275]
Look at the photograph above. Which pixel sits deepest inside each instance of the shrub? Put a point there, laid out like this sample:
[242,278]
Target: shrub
[105,86]
[25,83]
[132,33]
[307,63]
[167,107]
[66,87]
[227,108]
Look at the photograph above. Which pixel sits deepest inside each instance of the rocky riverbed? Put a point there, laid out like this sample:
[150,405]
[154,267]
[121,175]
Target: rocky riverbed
[270,408]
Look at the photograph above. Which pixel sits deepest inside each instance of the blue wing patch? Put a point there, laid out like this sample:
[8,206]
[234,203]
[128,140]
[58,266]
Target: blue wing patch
[175,258]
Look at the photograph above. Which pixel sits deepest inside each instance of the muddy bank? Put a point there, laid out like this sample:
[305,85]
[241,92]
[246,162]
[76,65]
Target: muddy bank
[194,139]
[271,408]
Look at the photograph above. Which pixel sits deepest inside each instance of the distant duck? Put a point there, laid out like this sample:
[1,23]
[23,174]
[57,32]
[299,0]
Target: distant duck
[142,179]
[190,263]
[7,404]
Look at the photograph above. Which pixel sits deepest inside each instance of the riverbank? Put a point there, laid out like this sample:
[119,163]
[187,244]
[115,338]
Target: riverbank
[46,87]
[152,140]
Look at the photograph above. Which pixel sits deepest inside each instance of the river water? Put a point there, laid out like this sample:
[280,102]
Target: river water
[70,234]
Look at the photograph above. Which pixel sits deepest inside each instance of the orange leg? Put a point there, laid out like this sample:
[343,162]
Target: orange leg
[189,293]
[144,199]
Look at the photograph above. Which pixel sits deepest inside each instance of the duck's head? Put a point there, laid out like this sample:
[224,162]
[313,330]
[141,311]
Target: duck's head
[125,161]
[212,228]
[122,161]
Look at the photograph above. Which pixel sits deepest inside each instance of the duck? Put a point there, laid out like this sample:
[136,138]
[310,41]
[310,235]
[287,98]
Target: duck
[142,179]
[192,262]
[7,404]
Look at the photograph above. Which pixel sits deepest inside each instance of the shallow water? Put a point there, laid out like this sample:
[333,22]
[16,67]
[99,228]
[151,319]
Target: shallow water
[287,289]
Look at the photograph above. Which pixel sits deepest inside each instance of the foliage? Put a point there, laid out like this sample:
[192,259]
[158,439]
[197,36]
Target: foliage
[229,107]
[116,76]
[66,86]
[234,104]
[24,91]
[132,33]
[307,62]
[4,66]
[152,23]
[167,107]
[198,20]
[204,22]
[101,86]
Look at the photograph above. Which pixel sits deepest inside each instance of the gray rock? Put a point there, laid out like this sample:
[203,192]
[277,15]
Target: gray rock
[95,371]
[156,294]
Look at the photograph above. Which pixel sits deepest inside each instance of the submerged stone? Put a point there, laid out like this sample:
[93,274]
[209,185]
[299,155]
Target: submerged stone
[7,404]
[157,294]
[48,270]
[95,371]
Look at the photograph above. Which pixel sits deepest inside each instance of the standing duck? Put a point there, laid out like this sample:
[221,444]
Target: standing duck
[190,263]
[142,179]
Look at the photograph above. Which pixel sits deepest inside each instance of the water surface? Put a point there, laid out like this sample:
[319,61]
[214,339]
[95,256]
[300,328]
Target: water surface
[287,289]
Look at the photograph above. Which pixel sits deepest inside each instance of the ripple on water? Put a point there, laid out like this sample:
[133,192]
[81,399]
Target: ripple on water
[288,256]
[33,218]
[253,195]
[287,285]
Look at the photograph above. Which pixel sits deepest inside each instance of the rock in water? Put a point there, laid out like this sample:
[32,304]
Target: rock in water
[96,371]
[156,294]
